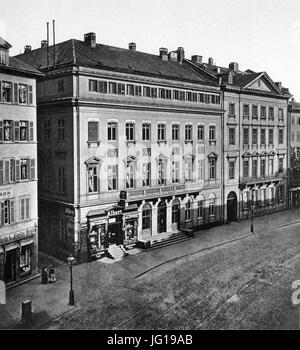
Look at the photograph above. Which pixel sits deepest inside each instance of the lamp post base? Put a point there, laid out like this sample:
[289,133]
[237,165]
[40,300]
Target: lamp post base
[251,229]
[71,298]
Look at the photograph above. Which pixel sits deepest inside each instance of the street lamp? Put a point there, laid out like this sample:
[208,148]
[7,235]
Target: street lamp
[252,212]
[71,292]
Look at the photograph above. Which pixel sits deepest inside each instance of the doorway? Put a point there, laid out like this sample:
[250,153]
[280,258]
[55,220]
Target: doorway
[10,266]
[162,217]
[232,207]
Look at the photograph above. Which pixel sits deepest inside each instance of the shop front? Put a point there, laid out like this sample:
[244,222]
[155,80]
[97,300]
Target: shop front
[115,225]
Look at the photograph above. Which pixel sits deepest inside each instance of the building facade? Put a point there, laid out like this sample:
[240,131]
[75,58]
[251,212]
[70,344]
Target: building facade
[129,146]
[18,173]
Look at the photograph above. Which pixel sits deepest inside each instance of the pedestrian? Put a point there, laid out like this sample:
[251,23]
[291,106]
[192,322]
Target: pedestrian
[44,275]
[51,275]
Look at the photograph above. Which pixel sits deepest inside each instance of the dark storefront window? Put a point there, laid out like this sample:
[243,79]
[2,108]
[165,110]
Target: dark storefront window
[146,217]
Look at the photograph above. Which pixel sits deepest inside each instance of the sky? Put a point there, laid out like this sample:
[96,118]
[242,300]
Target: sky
[262,35]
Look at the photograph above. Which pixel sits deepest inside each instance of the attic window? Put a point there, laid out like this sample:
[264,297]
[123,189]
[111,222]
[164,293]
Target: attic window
[3,57]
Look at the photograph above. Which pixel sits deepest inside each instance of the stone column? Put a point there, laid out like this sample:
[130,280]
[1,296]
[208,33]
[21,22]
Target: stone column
[154,219]
[169,216]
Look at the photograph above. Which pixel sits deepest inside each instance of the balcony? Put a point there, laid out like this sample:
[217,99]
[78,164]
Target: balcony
[252,180]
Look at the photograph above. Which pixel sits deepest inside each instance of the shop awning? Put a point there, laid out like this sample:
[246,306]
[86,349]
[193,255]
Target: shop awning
[12,246]
[98,212]
[130,208]
[27,241]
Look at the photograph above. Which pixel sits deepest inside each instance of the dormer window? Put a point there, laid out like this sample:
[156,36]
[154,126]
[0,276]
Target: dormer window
[3,57]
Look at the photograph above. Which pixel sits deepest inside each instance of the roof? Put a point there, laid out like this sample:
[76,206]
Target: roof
[20,66]
[76,52]
[4,44]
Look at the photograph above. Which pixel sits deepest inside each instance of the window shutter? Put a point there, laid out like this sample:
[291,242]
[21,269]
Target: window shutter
[31,131]
[1,130]
[27,208]
[30,95]
[6,171]
[17,131]
[15,93]
[2,213]
[12,211]
[17,170]
[32,169]
[1,172]
[93,131]
[22,215]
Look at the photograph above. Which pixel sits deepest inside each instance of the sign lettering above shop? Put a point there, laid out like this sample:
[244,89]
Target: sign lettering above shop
[113,212]
[70,211]
[6,192]
[17,236]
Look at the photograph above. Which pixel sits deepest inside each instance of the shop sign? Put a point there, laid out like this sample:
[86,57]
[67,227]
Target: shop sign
[6,192]
[112,220]
[114,211]
[16,236]
[70,212]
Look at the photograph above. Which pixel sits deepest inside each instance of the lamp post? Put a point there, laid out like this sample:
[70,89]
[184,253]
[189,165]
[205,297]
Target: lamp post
[71,292]
[252,213]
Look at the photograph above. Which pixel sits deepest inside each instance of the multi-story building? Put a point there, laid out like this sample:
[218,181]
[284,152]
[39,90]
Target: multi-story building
[255,141]
[117,121]
[18,175]
[294,142]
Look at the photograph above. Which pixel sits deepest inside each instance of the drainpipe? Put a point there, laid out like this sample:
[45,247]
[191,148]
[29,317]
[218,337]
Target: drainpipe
[223,157]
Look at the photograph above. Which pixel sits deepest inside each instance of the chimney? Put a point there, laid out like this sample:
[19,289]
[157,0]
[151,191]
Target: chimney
[233,66]
[180,54]
[27,49]
[196,59]
[163,53]
[44,43]
[211,61]
[173,56]
[90,39]
[279,84]
[132,46]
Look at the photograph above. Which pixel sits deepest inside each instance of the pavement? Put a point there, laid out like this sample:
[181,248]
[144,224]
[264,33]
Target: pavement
[50,302]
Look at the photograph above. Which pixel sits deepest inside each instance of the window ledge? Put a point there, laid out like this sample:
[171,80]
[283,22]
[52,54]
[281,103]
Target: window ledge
[161,141]
[93,142]
[128,142]
[212,142]
[188,141]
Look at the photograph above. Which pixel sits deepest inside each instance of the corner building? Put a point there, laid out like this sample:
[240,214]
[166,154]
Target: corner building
[18,175]
[129,146]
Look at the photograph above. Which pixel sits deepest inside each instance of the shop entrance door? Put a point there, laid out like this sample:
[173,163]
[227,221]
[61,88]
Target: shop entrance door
[231,207]
[115,233]
[162,217]
[10,266]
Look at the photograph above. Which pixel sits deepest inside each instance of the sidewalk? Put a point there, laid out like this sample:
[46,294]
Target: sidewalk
[97,278]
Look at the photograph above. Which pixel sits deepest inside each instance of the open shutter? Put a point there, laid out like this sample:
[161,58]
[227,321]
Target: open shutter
[30,95]
[27,206]
[32,169]
[1,130]
[6,171]
[12,211]
[1,172]
[16,89]
[2,213]
[31,131]
[17,170]
[17,131]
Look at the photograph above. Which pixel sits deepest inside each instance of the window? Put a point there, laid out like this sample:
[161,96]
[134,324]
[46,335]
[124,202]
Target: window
[162,172]
[254,112]
[245,110]
[194,97]
[262,136]
[271,166]
[263,113]
[263,196]
[137,90]
[61,130]
[262,167]
[146,217]
[212,133]
[146,174]
[61,179]
[130,131]
[47,130]
[102,87]
[112,88]
[246,136]
[188,211]
[271,113]
[130,89]
[93,85]
[146,131]
[120,89]
[6,94]
[231,134]
[188,132]
[281,193]
[112,131]
[60,85]
[201,169]
[254,136]
[3,57]
[112,177]
[254,168]
[130,175]
[25,260]
[22,92]
[188,174]
[24,131]
[93,131]
[280,136]
[7,171]
[161,132]
[24,164]
[7,212]
[175,94]
[246,168]
[175,172]
[280,115]
[154,92]
[8,130]
[211,207]
[231,109]
[271,136]
[62,230]
[231,169]
[175,132]
[212,168]
[280,165]
[200,132]
[93,178]
[175,212]
[200,211]
[188,96]
[24,208]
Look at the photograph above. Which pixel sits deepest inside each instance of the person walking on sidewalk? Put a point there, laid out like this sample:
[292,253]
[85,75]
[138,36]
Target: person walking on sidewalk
[51,275]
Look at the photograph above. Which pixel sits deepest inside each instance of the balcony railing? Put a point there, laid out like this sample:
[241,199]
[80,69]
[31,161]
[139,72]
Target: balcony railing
[276,176]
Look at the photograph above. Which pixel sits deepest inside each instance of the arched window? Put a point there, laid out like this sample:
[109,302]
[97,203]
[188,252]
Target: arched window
[146,216]
[175,211]
[211,204]
[200,209]
[188,210]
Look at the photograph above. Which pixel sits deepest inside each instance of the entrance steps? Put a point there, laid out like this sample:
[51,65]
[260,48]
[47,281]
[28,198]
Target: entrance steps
[165,239]
[116,252]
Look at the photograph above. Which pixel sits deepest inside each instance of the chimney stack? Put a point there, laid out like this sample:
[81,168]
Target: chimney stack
[180,54]
[27,48]
[173,56]
[163,53]
[211,61]
[196,59]
[132,46]
[44,43]
[90,39]
[234,66]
